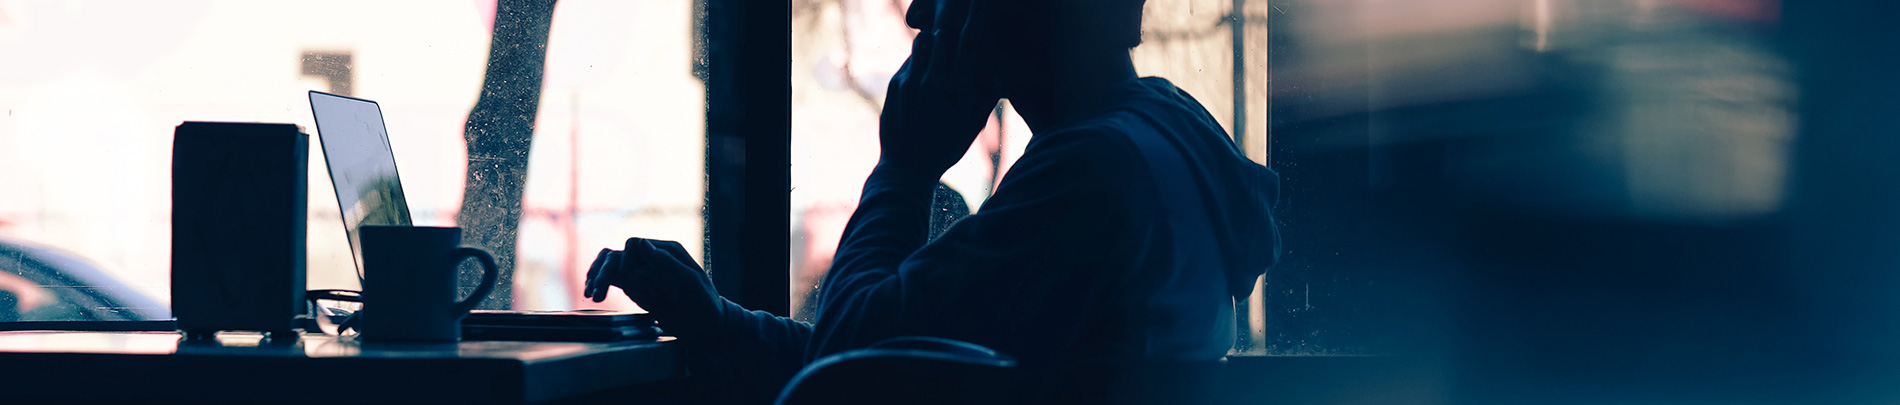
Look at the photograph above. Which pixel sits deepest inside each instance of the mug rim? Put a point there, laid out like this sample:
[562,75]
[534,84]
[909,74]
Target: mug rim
[408,226]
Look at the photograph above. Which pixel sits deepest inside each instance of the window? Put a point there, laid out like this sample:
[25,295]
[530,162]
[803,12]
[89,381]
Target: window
[96,88]
[845,51]
[1403,132]
[1392,122]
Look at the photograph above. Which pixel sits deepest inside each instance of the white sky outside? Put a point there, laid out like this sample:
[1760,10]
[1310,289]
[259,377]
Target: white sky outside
[93,90]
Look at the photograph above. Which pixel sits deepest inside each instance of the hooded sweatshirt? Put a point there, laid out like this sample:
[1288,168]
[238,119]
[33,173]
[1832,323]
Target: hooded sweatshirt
[1117,239]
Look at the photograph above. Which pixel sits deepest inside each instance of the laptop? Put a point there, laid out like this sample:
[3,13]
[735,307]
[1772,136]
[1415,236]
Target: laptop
[362,166]
[369,192]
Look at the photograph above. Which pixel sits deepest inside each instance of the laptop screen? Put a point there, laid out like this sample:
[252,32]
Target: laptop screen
[362,167]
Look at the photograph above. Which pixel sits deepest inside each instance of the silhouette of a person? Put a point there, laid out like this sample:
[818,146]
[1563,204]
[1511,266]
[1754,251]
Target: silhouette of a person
[1122,235]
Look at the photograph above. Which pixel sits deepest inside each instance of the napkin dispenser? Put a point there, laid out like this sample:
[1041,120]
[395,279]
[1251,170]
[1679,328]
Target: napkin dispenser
[239,211]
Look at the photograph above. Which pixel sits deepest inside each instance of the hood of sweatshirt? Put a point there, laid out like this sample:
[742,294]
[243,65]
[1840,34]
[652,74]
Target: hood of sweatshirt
[1239,194]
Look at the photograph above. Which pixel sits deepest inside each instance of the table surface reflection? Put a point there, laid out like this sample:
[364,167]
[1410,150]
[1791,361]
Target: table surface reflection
[241,366]
[311,345]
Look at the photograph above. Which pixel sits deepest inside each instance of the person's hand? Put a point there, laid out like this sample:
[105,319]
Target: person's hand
[661,277]
[942,97]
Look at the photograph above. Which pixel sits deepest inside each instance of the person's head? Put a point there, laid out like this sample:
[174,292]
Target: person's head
[1024,39]
[1103,24]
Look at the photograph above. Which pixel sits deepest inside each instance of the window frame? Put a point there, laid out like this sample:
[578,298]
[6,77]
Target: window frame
[743,54]
[747,49]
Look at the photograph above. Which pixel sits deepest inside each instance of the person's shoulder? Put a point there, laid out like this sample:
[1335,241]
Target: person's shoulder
[1106,135]
[1083,153]
[1094,159]
[1093,163]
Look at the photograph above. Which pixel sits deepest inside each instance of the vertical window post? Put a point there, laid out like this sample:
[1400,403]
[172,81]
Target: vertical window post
[748,151]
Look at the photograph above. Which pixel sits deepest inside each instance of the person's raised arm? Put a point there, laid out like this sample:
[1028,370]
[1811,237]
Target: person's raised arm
[1027,268]
[934,108]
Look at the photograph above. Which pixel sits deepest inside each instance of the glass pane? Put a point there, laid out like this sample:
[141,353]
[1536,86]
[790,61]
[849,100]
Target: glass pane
[845,51]
[619,146]
[99,85]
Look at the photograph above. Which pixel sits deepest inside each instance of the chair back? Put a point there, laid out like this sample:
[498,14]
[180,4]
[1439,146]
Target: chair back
[905,370]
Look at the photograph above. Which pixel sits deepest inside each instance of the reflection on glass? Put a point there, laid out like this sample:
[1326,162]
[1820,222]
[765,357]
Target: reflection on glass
[1434,145]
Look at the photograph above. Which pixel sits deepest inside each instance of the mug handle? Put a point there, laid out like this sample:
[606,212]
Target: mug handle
[489,272]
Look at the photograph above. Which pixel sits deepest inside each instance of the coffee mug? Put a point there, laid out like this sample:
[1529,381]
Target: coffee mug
[409,283]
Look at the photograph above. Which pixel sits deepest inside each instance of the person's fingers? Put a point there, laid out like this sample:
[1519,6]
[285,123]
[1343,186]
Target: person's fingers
[660,265]
[639,291]
[901,83]
[921,14]
[925,66]
[593,273]
[649,295]
[674,250]
[637,247]
[946,75]
[901,75]
[646,264]
[971,32]
[960,28]
[670,255]
[639,256]
[611,273]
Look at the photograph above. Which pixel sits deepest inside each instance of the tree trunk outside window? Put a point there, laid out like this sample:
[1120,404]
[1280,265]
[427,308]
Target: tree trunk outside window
[499,134]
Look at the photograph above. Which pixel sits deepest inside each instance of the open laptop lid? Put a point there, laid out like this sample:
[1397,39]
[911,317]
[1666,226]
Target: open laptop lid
[362,167]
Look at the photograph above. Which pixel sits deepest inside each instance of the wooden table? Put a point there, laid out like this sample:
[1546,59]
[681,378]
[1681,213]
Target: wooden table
[160,367]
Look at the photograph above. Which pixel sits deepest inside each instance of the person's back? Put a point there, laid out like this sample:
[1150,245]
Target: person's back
[1198,231]
[1213,233]
[1117,242]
